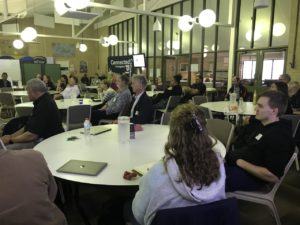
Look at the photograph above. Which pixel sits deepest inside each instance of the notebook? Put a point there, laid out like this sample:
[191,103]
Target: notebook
[82,167]
[99,130]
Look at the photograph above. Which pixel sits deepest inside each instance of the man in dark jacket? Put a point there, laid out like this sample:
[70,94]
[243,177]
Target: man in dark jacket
[4,82]
[141,110]
[238,88]
[263,147]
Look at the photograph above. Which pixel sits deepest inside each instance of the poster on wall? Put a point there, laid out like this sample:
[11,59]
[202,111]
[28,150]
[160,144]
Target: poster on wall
[83,66]
[120,64]
[63,50]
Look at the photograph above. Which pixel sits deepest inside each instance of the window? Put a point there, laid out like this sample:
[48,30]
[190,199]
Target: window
[248,69]
[272,69]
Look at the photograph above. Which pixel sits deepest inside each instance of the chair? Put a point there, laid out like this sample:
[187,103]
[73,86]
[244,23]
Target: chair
[199,99]
[172,103]
[295,119]
[76,116]
[23,111]
[7,102]
[223,212]
[222,130]
[265,198]
[125,111]
[207,112]
[25,98]
[165,118]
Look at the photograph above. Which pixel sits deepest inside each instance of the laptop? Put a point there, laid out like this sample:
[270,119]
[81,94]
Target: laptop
[82,167]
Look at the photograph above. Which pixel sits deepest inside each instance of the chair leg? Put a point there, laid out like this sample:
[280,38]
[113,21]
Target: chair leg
[275,212]
[297,164]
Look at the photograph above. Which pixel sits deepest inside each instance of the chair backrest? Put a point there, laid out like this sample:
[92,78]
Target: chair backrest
[173,101]
[25,98]
[23,111]
[165,118]
[295,119]
[223,212]
[221,129]
[199,99]
[6,99]
[207,112]
[76,116]
[286,170]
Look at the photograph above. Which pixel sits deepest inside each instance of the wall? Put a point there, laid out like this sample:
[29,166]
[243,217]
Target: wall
[294,72]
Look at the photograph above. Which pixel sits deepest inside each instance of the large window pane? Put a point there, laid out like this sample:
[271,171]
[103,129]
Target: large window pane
[262,27]
[245,23]
[281,21]
[186,35]
[167,30]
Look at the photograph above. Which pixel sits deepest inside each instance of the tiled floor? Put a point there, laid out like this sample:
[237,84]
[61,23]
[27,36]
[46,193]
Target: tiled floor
[94,201]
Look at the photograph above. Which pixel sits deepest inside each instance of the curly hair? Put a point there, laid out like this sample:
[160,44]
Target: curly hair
[191,147]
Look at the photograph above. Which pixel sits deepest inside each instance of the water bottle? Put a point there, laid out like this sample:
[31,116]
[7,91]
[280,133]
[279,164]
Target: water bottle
[241,105]
[87,127]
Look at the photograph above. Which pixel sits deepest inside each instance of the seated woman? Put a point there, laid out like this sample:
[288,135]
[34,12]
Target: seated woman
[114,106]
[105,91]
[28,189]
[160,100]
[71,91]
[283,87]
[190,173]
[48,82]
[62,83]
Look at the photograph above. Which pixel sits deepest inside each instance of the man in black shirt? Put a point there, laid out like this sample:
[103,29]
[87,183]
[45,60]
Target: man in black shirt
[199,86]
[44,122]
[4,82]
[263,147]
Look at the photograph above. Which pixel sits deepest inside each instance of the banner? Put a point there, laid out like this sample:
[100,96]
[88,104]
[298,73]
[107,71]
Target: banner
[120,64]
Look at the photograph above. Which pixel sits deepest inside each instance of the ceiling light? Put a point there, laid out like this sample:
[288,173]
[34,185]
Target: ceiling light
[157,26]
[78,4]
[28,34]
[207,18]
[82,47]
[259,4]
[278,29]
[104,41]
[185,23]
[205,50]
[113,39]
[214,49]
[18,44]
[175,45]
[60,7]
[257,35]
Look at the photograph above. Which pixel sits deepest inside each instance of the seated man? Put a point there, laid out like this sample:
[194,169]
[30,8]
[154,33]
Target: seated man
[238,88]
[141,110]
[286,78]
[113,107]
[160,100]
[44,122]
[28,190]
[263,147]
[4,82]
[199,86]
[71,91]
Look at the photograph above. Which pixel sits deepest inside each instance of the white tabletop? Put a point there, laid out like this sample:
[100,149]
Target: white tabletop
[223,106]
[148,146]
[24,93]
[91,87]
[64,103]
[211,89]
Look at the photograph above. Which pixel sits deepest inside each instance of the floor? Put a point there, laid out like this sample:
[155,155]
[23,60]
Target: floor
[96,201]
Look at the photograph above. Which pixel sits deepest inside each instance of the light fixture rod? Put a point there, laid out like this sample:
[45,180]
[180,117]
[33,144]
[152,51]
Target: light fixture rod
[5,9]
[87,25]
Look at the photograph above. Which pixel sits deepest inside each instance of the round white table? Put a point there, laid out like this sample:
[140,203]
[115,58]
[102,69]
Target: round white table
[151,93]
[24,93]
[64,103]
[148,146]
[223,106]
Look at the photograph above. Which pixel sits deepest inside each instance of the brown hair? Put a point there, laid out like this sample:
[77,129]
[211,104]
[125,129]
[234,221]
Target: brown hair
[191,147]
[277,99]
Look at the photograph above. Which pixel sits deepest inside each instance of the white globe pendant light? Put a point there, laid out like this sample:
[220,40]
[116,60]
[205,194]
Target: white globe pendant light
[82,47]
[185,23]
[104,41]
[18,44]
[207,18]
[28,34]
[60,7]
[279,29]
[113,39]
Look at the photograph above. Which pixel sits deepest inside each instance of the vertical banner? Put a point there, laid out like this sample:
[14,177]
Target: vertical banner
[120,64]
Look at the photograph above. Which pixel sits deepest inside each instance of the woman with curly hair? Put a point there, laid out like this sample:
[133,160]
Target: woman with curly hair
[190,173]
